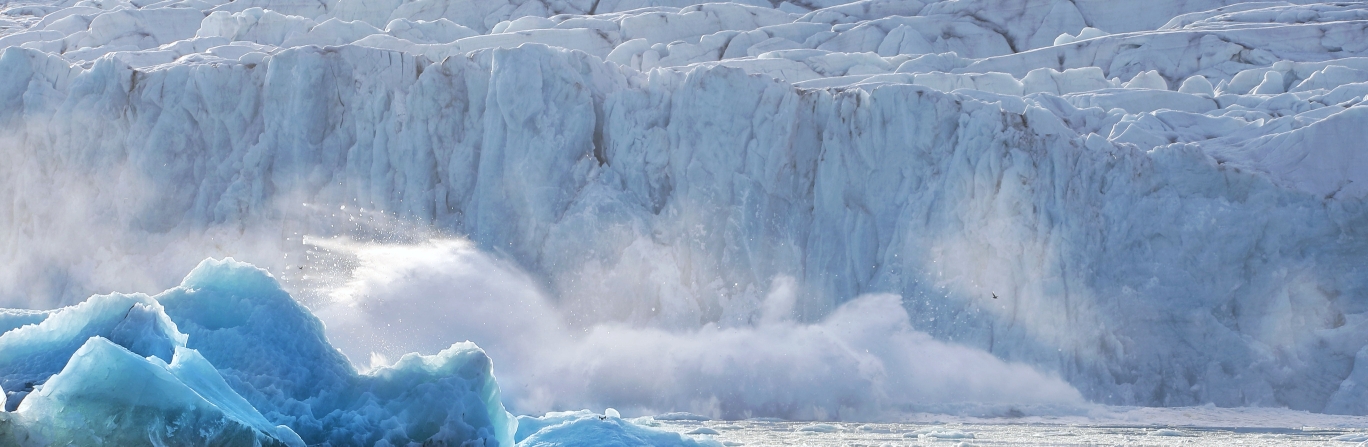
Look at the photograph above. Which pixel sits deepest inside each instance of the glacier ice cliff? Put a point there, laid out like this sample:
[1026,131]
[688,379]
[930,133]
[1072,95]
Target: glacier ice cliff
[1167,198]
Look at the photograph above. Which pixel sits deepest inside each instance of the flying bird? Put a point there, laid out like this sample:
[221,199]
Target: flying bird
[994,295]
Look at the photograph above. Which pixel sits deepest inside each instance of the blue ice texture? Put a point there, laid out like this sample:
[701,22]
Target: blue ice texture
[229,358]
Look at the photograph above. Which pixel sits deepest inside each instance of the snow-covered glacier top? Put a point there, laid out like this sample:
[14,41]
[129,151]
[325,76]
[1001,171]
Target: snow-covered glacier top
[1160,202]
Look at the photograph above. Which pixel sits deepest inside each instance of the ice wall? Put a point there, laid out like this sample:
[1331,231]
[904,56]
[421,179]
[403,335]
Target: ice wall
[1169,210]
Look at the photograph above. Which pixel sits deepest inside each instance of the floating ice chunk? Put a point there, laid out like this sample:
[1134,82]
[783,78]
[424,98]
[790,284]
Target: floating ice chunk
[274,354]
[583,428]
[947,434]
[1351,437]
[1169,432]
[820,428]
[451,394]
[680,416]
[938,432]
[529,425]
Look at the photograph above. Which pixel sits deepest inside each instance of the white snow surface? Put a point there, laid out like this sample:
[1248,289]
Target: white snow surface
[1160,203]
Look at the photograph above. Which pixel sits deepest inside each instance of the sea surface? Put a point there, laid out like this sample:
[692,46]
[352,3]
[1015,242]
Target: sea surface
[1195,426]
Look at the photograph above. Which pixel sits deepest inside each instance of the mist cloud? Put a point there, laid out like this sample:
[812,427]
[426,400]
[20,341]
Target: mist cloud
[863,361]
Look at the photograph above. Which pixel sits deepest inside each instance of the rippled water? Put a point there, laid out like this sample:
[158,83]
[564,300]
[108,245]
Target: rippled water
[1157,427]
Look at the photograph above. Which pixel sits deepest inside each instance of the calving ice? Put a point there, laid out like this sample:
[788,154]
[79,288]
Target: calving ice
[818,210]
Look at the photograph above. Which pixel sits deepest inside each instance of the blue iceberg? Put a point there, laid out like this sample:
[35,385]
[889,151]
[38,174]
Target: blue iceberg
[229,358]
[583,428]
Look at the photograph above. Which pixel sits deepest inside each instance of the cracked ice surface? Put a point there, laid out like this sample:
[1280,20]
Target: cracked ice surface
[1168,197]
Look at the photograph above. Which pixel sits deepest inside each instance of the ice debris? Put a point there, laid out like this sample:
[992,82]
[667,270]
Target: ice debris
[583,428]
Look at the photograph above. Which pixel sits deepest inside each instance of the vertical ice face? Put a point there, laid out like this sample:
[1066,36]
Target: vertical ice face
[661,166]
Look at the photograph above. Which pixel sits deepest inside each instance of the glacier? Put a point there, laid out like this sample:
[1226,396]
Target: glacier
[1158,203]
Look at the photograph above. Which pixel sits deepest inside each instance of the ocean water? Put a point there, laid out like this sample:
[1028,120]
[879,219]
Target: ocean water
[763,433]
